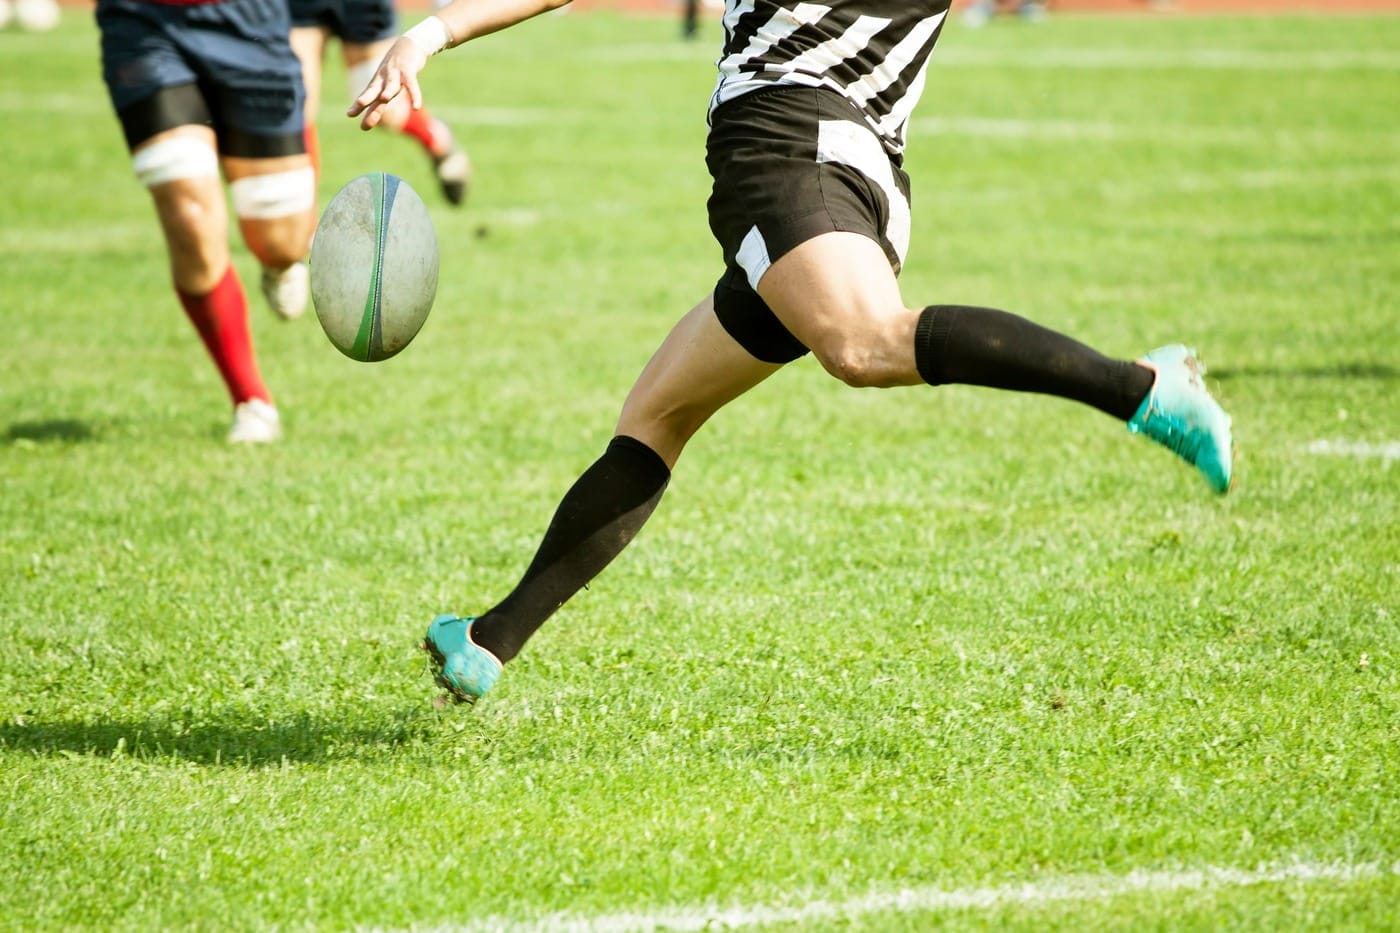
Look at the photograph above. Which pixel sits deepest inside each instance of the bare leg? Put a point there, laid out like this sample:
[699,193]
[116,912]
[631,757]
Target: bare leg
[838,295]
[697,371]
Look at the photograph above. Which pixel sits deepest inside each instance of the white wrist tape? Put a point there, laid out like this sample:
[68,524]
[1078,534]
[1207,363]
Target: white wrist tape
[431,35]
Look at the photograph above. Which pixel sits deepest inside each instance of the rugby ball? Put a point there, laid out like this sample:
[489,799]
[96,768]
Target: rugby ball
[374,267]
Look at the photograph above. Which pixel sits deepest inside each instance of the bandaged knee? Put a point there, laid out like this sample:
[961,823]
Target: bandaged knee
[279,194]
[173,158]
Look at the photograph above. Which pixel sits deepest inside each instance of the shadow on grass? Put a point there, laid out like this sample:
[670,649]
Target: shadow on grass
[63,430]
[1336,371]
[236,740]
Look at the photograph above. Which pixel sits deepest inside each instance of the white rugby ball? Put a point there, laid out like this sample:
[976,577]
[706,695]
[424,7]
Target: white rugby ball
[374,267]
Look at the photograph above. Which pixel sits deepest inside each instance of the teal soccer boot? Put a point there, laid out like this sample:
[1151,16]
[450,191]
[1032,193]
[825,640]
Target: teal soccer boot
[462,667]
[1179,413]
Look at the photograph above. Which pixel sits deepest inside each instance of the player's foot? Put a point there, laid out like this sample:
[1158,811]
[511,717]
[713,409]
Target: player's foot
[1180,413]
[461,666]
[287,291]
[1033,12]
[255,422]
[454,174]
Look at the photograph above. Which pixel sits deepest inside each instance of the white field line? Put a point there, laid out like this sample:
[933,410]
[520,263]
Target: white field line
[1387,451]
[1078,131]
[35,240]
[45,102]
[954,56]
[932,900]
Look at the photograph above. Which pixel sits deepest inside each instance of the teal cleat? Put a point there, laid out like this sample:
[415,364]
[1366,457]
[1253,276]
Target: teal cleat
[1180,413]
[464,668]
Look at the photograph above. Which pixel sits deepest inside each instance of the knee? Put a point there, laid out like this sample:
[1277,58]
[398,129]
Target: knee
[276,213]
[877,353]
[863,364]
[278,243]
[196,238]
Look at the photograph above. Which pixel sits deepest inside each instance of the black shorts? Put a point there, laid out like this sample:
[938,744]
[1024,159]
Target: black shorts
[790,164]
[227,65]
[359,22]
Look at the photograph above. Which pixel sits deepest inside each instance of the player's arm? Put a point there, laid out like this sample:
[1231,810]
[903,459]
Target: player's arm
[450,26]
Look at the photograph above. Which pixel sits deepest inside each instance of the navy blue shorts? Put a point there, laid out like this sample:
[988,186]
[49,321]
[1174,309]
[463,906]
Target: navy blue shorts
[359,22]
[228,65]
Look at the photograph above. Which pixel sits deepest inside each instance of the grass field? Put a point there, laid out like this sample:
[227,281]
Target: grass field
[882,660]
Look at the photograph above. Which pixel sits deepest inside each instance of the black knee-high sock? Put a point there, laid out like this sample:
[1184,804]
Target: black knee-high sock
[597,518]
[986,347]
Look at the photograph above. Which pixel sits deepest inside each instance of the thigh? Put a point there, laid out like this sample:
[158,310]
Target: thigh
[837,294]
[309,44]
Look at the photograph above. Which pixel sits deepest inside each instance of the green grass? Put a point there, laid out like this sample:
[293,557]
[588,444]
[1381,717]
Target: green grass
[945,640]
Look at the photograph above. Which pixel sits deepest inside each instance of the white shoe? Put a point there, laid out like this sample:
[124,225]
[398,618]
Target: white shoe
[255,422]
[288,291]
[7,13]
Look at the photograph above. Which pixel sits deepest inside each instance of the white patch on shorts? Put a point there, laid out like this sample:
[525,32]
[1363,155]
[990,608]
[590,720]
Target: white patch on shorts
[845,143]
[753,256]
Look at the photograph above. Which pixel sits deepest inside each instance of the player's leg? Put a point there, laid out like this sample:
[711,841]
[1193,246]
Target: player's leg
[698,369]
[309,44]
[823,229]
[837,295]
[363,53]
[251,80]
[274,200]
[164,119]
[194,219]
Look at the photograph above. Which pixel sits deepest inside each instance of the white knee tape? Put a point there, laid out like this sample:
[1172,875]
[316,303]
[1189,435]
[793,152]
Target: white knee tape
[357,76]
[175,157]
[280,194]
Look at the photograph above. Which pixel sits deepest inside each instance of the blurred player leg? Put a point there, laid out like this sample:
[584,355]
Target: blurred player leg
[181,170]
[192,86]
[309,44]
[275,200]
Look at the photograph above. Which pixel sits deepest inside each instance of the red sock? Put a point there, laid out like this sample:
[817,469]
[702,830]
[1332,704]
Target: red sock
[431,132]
[221,317]
[313,147]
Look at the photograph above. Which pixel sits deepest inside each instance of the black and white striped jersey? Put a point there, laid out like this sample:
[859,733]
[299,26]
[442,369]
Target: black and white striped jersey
[873,52]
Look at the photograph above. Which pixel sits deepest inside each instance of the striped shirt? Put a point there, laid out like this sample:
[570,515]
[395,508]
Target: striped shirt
[874,53]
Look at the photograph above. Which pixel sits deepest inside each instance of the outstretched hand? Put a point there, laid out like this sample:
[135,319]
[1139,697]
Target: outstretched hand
[397,72]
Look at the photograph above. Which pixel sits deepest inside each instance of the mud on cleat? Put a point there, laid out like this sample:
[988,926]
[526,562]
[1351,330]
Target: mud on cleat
[1180,414]
[461,666]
